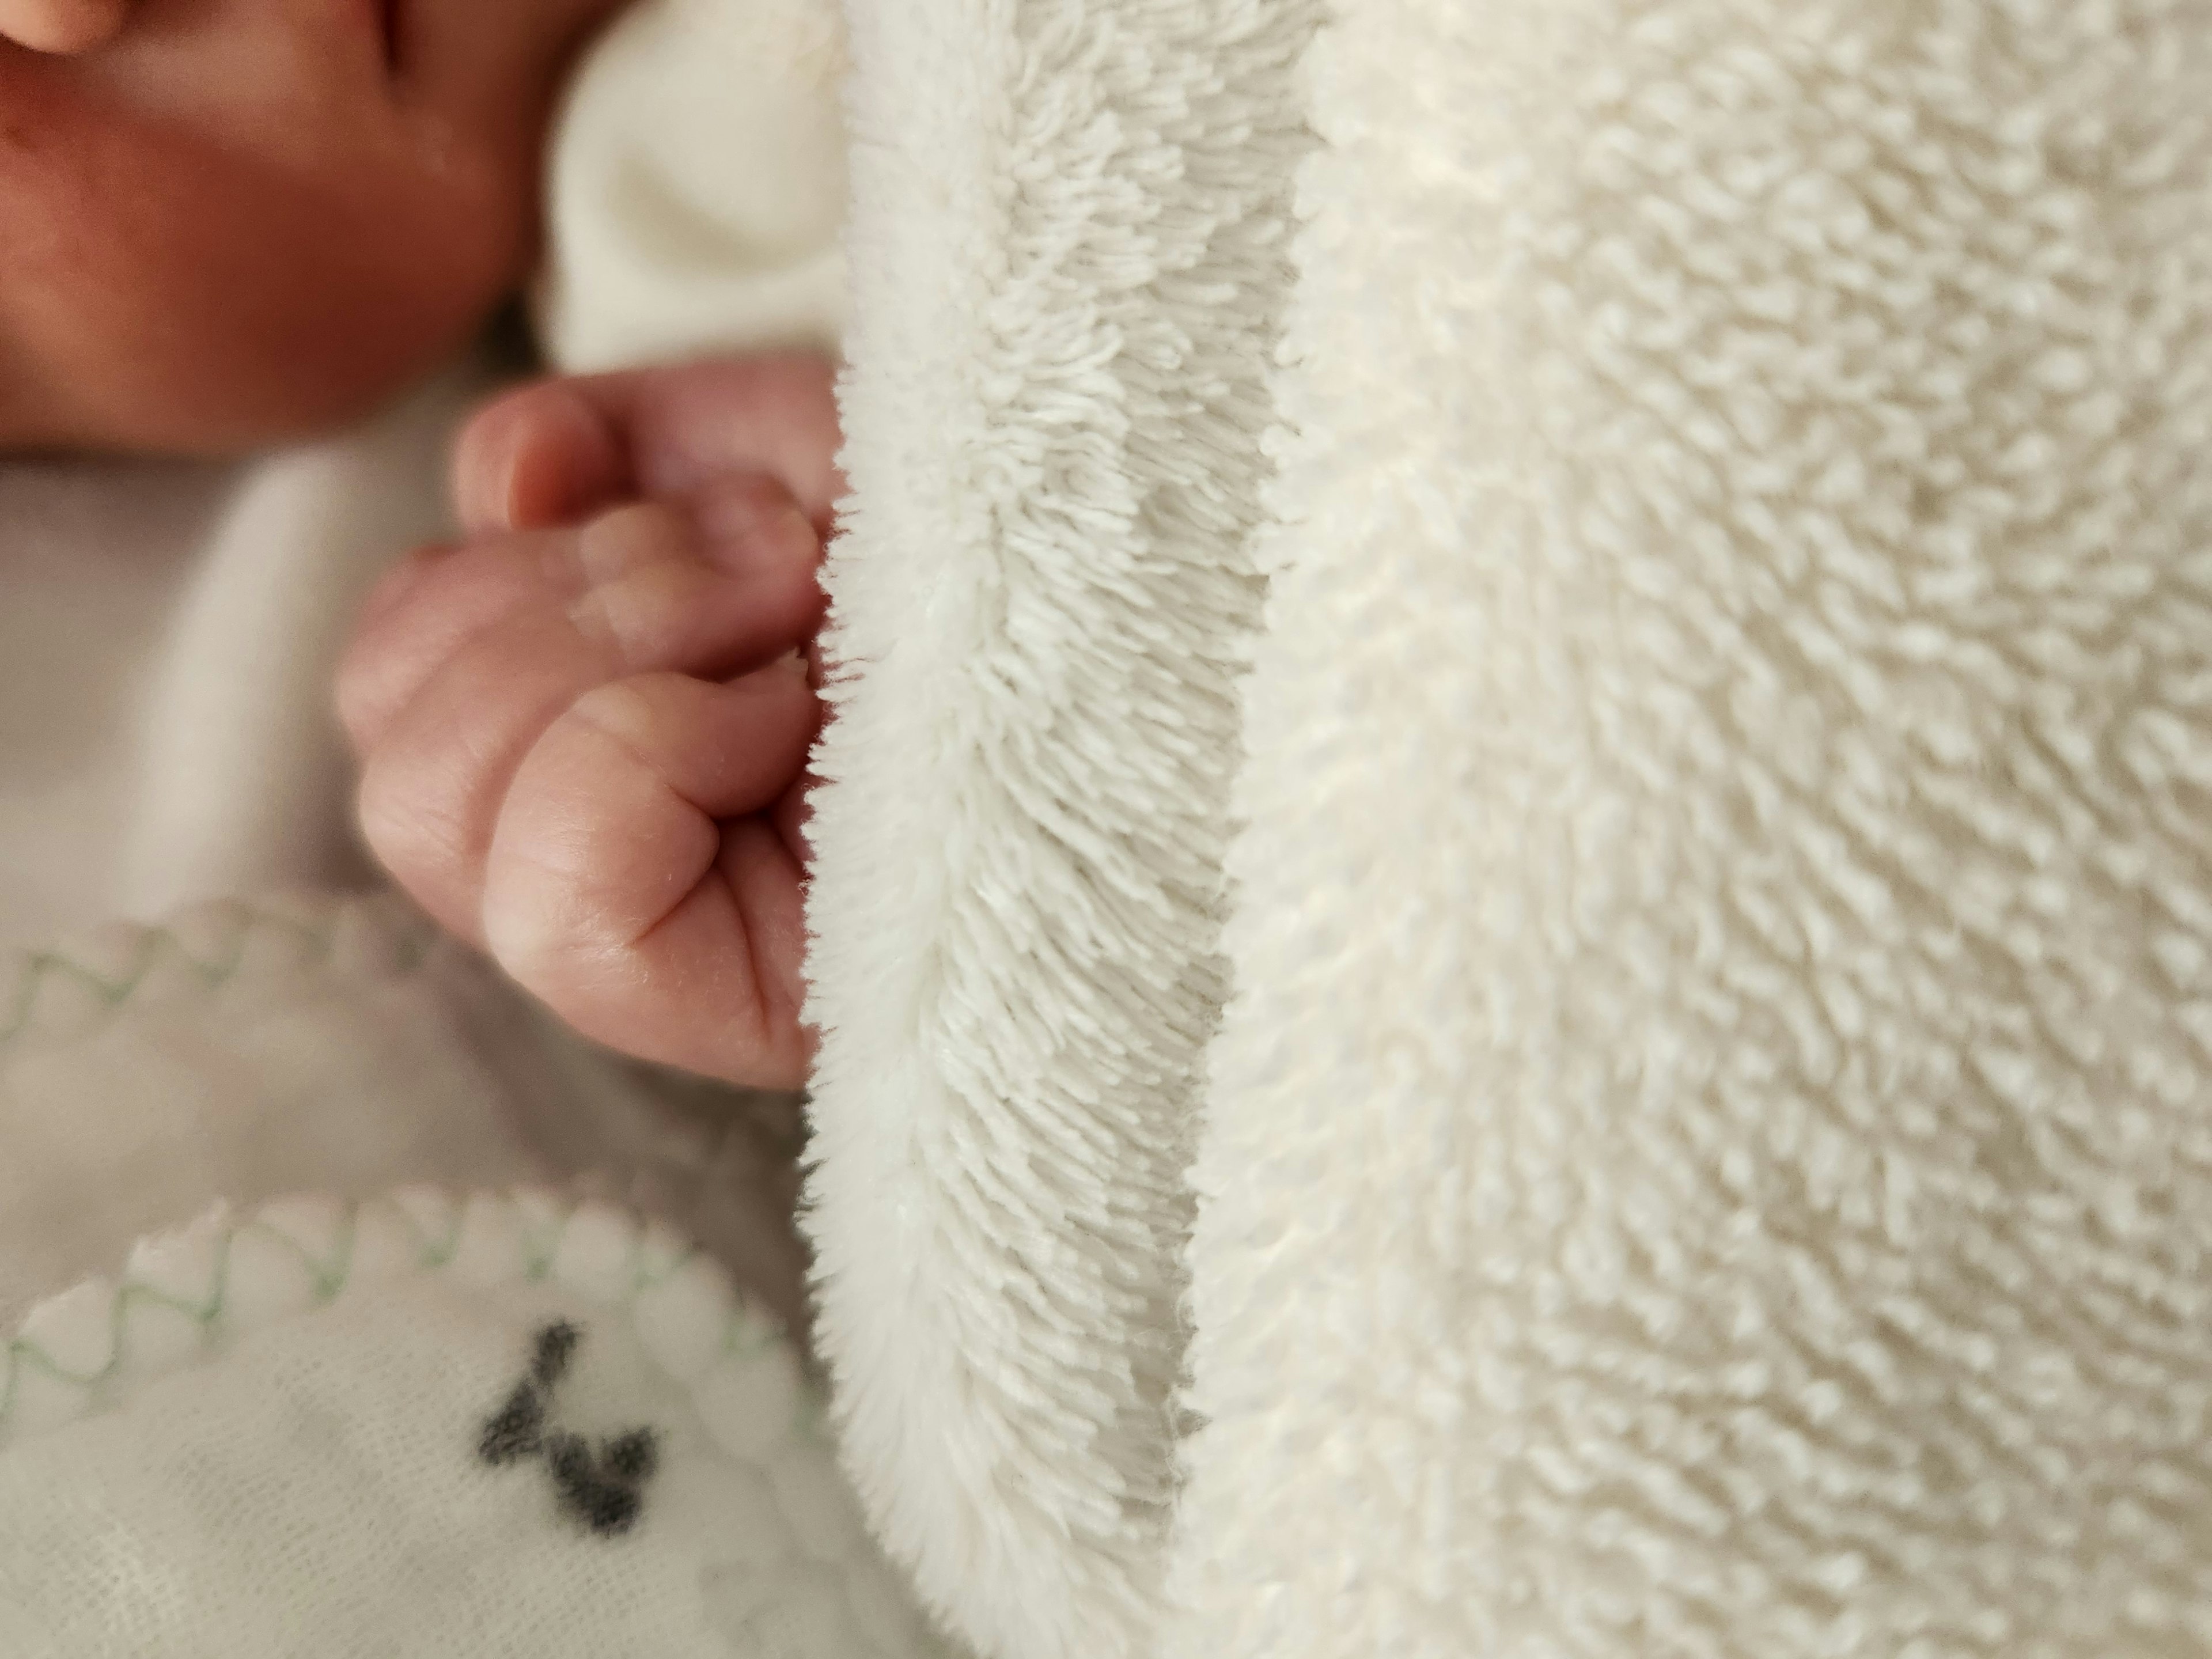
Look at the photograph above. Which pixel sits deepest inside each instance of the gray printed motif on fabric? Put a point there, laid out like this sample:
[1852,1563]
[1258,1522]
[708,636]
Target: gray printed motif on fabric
[602,1487]
[504,1427]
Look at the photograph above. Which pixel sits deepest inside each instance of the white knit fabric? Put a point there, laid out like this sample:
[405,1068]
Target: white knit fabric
[88,569]
[294,1433]
[1067,257]
[1708,1157]
[242,1052]
[697,186]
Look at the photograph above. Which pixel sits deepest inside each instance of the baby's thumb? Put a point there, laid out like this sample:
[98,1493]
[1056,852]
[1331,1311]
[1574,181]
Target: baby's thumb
[544,456]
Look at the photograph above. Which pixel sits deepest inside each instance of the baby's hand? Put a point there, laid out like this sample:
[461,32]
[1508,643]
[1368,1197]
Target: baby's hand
[584,730]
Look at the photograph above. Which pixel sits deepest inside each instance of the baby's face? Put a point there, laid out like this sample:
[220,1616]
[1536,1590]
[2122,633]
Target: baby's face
[227,221]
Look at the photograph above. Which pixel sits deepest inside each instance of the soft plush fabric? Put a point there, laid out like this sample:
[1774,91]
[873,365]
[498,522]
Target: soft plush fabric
[503,1428]
[1707,1152]
[697,186]
[1067,253]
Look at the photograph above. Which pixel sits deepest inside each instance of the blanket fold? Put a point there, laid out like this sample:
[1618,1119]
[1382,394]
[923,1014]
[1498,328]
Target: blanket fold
[1706,1154]
[1068,264]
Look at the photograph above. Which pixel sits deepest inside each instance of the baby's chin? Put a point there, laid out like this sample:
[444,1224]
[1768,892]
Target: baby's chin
[222,352]
[232,420]
[225,407]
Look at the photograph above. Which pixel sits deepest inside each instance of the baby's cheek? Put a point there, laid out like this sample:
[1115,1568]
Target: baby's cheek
[173,295]
[395,276]
[473,196]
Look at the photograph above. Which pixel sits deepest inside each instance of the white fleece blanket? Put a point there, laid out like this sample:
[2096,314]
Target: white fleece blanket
[1067,252]
[1709,1149]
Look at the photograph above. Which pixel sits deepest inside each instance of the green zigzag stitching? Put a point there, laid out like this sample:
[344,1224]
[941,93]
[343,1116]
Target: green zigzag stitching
[745,1334]
[413,949]
[329,1280]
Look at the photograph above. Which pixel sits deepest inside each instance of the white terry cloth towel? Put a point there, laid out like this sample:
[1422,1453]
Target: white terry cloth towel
[1706,1152]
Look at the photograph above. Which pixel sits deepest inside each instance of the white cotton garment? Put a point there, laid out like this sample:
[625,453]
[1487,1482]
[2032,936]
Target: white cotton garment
[90,572]
[169,632]
[697,186]
[243,1050]
[509,1426]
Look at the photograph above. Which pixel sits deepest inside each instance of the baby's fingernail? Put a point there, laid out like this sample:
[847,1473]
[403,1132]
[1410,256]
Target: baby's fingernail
[746,523]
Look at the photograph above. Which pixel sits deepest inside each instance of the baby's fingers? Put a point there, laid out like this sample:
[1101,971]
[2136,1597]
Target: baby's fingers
[540,456]
[439,765]
[635,887]
[434,603]
[442,599]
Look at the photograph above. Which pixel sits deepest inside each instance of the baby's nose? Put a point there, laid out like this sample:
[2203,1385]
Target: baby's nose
[61,25]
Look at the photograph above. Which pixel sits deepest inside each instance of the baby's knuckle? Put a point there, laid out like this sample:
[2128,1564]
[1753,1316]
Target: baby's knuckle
[625,540]
[538,932]
[622,711]
[518,926]
[636,618]
[411,830]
